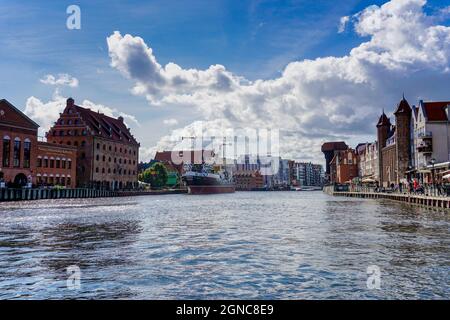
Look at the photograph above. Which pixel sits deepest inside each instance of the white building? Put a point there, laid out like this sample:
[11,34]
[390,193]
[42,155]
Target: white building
[430,134]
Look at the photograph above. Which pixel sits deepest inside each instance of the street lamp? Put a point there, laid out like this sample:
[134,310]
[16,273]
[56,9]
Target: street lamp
[432,162]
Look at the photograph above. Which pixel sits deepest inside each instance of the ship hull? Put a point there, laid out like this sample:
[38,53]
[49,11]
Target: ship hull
[211,189]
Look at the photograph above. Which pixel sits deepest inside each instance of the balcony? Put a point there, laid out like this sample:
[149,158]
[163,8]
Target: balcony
[425,148]
[425,135]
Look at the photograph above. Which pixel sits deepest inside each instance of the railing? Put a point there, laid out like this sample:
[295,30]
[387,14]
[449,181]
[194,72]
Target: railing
[425,134]
[427,190]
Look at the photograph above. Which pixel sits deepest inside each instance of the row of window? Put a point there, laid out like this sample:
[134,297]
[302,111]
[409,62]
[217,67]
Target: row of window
[60,181]
[54,163]
[114,171]
[63,133]
[16,152]
[124,150]
[115,160]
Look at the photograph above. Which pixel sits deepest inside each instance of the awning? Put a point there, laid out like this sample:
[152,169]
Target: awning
[368,180]
[447,176]
[424,171]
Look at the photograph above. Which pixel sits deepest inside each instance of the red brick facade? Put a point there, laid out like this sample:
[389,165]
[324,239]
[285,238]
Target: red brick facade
[18,146]
[56,165]
[346,166]
[107,155]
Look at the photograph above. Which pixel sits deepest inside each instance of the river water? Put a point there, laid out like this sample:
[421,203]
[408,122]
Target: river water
[248,245]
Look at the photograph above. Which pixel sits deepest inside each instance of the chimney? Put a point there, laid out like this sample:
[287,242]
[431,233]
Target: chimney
[70,102]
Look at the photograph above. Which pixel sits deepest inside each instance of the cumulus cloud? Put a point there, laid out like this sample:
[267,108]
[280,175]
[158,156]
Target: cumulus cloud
[312,100]
[62,79]
[46,113]
[343,24]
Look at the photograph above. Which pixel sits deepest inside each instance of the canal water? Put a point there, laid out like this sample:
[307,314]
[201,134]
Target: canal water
[249,245]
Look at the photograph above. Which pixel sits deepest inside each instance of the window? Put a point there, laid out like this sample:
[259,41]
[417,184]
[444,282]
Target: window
[83,155]
[52,163]
[70,122]
[63,164]
[96,170]
[26,153]
[97,157]
[69,164]
[68,181]
[104,158]
[103,170]
[98,145]
[75,143]
[110,148]
[58,163]
[39,162]
[61,132]
[45,162]
[83,143]
[104,147]
[16,155]
[69,143]
[6,151]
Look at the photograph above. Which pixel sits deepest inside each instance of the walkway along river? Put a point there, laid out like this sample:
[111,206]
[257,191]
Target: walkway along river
[281,245]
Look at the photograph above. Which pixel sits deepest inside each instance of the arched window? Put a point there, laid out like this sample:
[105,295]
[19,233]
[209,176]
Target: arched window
[104,158]
[6,151]
[97,157]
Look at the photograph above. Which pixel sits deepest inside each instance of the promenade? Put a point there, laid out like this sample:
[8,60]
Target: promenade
[428,200]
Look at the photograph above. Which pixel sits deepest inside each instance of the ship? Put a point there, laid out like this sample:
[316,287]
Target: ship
[204,179]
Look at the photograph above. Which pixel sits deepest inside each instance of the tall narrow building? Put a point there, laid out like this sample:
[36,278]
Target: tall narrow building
[403,138]
[383,128]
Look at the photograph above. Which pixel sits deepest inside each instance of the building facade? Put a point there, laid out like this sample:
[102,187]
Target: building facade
[18,147]
[308,174]
[330,149]
[56,165]
[107,152]
[345,166]
[248,180]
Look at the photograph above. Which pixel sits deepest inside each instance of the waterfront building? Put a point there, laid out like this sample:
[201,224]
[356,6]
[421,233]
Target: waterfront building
[56,165]
[430,140]
[368,161]
[248,180]
[308,174]
[344,166]
[18,147]
[107,152]
[394,145]
[330,149]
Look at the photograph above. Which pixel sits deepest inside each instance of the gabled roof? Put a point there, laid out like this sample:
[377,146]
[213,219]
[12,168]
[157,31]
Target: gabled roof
[435,111]
[104,126]
[403,107]
[23,115]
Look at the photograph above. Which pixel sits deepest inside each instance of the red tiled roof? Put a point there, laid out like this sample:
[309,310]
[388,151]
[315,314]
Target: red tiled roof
[105,126]
[331,146]
[435,111]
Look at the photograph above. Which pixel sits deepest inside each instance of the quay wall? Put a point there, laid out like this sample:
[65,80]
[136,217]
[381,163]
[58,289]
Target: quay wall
[39,194]
[413,199]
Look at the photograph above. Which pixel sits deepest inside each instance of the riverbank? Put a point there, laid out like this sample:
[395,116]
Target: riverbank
[40,194]
[425,201]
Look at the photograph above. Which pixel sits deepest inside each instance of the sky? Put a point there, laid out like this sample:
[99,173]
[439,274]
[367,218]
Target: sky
[315,70]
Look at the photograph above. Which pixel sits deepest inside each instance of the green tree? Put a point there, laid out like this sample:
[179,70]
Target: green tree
[156,175]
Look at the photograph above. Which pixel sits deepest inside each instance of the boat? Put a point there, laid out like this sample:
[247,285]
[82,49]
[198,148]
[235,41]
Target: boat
[203,179]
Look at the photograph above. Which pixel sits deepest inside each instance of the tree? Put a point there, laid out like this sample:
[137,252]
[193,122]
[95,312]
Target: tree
[156,175]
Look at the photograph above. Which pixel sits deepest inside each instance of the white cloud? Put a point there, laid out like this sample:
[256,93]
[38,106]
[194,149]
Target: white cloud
[46,113]
[170,122]
[343,24]
[62,79]
[313,100]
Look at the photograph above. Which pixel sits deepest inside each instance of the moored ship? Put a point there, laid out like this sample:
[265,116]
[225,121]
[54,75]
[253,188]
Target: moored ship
[203,179]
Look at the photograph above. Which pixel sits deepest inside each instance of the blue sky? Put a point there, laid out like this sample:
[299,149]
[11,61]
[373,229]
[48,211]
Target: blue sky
[253,39]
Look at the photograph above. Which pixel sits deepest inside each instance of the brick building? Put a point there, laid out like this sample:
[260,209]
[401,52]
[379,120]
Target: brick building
[344,166]
[107,152]
[248,180]
[394,145]
[18,147]
[56,165]
[330,149]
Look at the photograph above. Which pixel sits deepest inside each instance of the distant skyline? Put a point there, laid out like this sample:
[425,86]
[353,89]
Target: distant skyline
[317,70]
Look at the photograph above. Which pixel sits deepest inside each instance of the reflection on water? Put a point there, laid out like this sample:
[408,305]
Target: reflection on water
[290,245]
